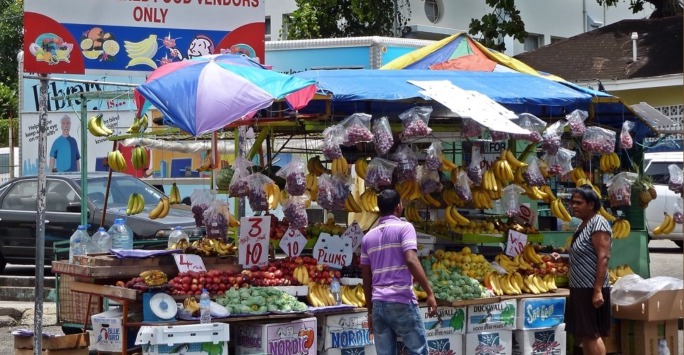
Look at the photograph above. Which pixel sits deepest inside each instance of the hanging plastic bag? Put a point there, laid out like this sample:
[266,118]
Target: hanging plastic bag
[295,212]
[626,141]
[462,187]
[576,122]
[239,187]
[294,174]
[201,200]
[498,136]
[598,140]
[216,219]
[471,129]
[333,136]
[407,162]
[382,136]
[357,128]
[258,201]
[332,191]
[428,180]
[510,199]
[415,121]
[379,172]
[433,158]
[551,138]
[564,160]
[620,189]
[676,178]
[474,170]
[531,123]
[532,174]
[678,215]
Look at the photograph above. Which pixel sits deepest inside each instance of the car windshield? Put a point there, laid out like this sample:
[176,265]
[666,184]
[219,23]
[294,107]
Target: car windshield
[120,190]
[658,171]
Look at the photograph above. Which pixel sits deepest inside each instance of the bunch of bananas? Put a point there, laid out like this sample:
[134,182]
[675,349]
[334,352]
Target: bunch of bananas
[421,295]
[222,248]
[450,197]
[136,204]
[429,200]
[607,215]
[530,255]
[489,181]
[207,163]
[182,244]
[161,210]
[547,194]
[204,246]
[514,163]
[153,277]
[412,215]
[536,193]
[315,166]
[190,304]
[361,167]
[502,170]
[585,181]
[140,124]
[609,162]
[619,271]
[350,204]
[621,228]
[453,175]
[97,128]
[408,190]
[353,296]
[558,209]
[340,167]
[312,185]
[320,295]
[234,222]
[514,264]
[116,161]
[454,218]
[174,194]
[576,174]
[272,195]
[481,199]
[139,157]
[447,165]
[301,274]
[515,284]
[369,200]
[665,227]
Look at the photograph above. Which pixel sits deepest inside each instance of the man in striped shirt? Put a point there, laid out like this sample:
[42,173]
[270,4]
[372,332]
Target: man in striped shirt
[389,264]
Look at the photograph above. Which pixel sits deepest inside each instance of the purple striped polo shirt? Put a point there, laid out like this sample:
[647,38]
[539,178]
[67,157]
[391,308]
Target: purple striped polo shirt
[383,249]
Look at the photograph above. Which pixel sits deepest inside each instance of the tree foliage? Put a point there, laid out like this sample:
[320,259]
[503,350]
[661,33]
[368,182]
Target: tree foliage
[346,18]
[11,37]
[662,8]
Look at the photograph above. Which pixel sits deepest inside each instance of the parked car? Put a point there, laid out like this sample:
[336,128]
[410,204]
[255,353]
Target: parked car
[63,213]
[656,167]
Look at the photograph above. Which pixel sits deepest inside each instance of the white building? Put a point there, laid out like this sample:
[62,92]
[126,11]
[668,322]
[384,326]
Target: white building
[545,20]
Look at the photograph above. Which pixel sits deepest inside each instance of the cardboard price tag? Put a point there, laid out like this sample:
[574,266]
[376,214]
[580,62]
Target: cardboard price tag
[335,252]
[253,243]
[515,243]
[292,242]
[354,233]
[189,262]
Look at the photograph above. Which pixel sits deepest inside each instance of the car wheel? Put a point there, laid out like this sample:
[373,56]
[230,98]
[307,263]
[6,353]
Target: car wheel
[71,330]
[2,263]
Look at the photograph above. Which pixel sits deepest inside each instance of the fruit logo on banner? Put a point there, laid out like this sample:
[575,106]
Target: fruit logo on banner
[117,37]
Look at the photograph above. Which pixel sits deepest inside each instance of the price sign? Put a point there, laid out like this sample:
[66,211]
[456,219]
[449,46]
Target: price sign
[292,242]
[354,233]
[526,214]
[335,252]
[253,243]
[516,242]
[189,262]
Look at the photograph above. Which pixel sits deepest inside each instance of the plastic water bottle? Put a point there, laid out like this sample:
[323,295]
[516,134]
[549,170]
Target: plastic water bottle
[335,290]
[662,347]
[176,236]
[122,236]
[78,242]
[205,307]
[101,241]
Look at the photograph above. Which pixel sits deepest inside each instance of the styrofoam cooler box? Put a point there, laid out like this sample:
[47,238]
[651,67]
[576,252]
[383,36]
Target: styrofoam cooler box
[490,343]
[538,313]
[363,350]
[491,317]
[295,337]
[108,331]
[447,344]
[449,320]
[550,341]
[193,339]
[349,330]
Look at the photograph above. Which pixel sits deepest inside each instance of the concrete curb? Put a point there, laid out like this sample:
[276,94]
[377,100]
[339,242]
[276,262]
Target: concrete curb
[14,314]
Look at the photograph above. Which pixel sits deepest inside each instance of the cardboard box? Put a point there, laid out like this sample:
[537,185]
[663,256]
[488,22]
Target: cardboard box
[364,350]
[296,337]
[540,341]
[194,339]
[488,317]
[449,320]
[450,344]
[108,331]
[60,342]
[349,330]
[612,342]
[540,313]
[663,305]
[642,338]
[490,343]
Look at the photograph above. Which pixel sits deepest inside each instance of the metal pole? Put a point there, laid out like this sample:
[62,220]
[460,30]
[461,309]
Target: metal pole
[40,218]
[84,161]
[395,19]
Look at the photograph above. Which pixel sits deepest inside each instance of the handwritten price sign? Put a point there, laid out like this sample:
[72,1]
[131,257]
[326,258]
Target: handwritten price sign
[335,252]
[189,262]
[354,233]
[292,242]
[253,243]
[516,242]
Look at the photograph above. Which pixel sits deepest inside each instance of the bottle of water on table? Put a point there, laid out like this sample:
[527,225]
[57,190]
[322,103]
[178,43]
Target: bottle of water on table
[101,241]
[78,242]
[335,290]
[122,235]
[205,307]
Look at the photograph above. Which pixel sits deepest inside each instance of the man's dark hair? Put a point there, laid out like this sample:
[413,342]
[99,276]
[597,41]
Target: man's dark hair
[588,194]
[388,200]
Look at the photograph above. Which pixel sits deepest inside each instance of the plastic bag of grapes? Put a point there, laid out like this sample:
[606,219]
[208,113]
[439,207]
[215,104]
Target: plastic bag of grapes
[382,136]
[201,200]
[333,136]
[532,174]
[415,121]
[531,123]
[676,179]
[433,158]
[379,172]
[598,140]
[474,170]
[551,138]
[295,212]
[216,219]
[576,122]
[407,162]
[357,128]
[258,201]
[620,189]
[626,141]
[294,174]
[428,180]
[239,187]
[510,199]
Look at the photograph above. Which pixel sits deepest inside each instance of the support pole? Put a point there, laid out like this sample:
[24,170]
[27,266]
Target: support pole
[40,217]
[84,161]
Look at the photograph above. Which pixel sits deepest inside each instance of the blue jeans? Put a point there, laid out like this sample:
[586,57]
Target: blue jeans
[392,320]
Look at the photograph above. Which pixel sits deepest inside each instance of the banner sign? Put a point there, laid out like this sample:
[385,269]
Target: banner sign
[119,37]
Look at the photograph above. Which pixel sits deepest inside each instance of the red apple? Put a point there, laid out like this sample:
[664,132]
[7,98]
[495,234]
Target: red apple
[278,273]
[239,280]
